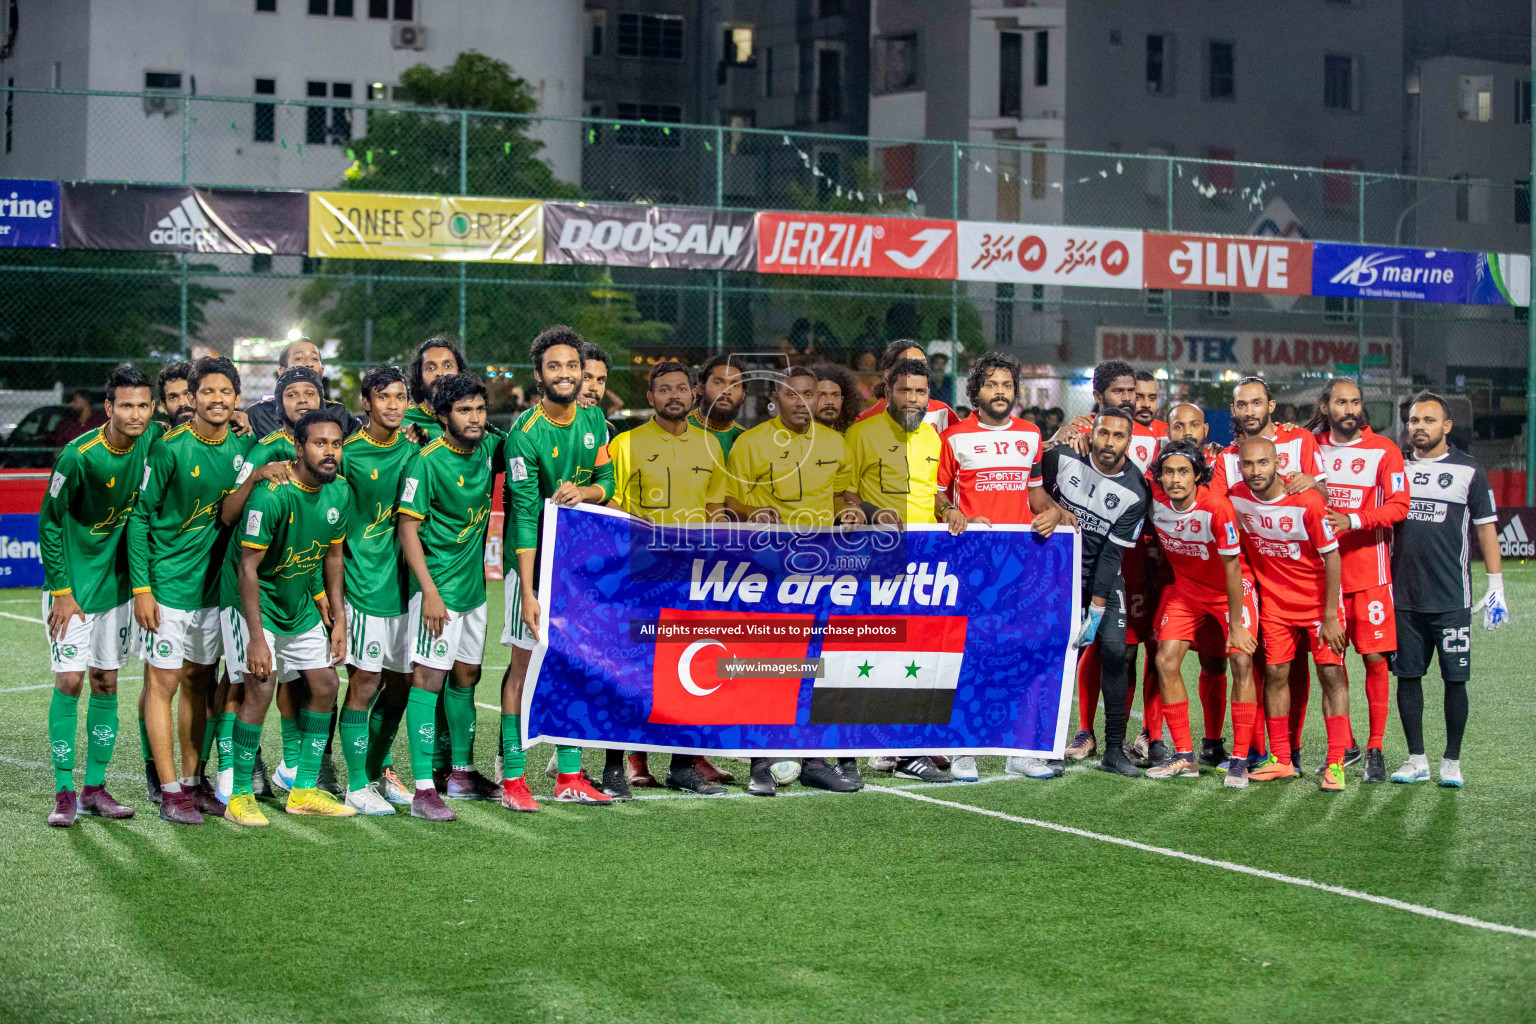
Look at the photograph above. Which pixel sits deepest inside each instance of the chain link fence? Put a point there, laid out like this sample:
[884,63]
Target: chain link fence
[67,315]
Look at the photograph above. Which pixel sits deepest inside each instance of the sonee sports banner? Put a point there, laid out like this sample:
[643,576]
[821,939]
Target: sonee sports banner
[766,640]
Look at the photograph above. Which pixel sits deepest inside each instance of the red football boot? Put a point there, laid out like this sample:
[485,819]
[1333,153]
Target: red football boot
[516,797]
[575,788]
[639,772]
[711,773]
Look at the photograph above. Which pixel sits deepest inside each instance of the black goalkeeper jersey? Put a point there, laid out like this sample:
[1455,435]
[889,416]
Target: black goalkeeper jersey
[1110,509]
[1432,548]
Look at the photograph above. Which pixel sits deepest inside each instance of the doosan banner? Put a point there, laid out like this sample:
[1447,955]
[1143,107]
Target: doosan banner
[745,641]
[614,234]
[175,218]
[1045,254]
[1387,272]
[835,245]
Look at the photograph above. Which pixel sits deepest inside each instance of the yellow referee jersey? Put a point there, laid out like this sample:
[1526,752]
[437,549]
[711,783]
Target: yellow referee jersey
[893,469]
[797,475]
[670,478]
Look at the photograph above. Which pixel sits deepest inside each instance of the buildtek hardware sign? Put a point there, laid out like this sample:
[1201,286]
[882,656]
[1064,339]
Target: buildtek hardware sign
[1219,351]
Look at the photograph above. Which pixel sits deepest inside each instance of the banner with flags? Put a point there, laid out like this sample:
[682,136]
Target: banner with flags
[770,640]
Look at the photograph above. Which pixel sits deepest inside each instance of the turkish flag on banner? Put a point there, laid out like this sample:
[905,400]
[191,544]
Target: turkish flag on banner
[687,689]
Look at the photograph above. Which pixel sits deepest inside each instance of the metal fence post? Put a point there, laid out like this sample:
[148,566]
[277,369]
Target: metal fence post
[1168,292]
[1360,306]
[954,286]
[719,331]
[186,136]
[1530,324]
[183,303]
[463,267]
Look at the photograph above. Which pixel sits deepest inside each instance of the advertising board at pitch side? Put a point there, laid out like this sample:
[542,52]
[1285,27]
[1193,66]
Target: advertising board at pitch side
[1050,254]
[836,245]
[1227,263]
[633,235]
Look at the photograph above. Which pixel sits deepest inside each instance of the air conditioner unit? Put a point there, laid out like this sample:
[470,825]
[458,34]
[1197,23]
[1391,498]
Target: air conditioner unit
[166,103]
[409,37]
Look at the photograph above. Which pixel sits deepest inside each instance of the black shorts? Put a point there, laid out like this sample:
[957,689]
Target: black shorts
[1112,626]
[1421,634]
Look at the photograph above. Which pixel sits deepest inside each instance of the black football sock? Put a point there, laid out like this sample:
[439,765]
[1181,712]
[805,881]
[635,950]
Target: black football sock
[1455,718]
[1410,708]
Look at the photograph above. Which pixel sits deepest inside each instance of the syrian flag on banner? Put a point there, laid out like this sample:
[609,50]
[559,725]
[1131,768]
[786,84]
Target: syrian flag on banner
[910,682]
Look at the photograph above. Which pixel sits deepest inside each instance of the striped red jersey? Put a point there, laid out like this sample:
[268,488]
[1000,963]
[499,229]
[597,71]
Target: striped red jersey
[1366,482]
[1295,452]
[988,471]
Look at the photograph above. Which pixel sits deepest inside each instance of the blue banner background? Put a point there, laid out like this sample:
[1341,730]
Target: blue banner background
[36,232]
[601,569]
[1368,279]
[21,564]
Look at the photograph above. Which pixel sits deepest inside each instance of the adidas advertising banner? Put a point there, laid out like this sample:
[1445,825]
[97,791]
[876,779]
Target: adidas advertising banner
[175,218]
[765,640]
[29,213]
[1045,254]
[1517,534]
[633,235]
[1386,272]
[390,226]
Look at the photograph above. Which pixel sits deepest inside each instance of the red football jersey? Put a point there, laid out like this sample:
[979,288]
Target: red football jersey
[1145,442]
[939,414]
[1159,430]
[988,471]
[1295,452]
[1194,540]
[1284,541]
[1365,482]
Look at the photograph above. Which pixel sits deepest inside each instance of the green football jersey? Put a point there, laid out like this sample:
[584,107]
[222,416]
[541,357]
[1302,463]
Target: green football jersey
[421,415]
[296,526]
[81,527]
[540,455]
[449,490]
[726,437]
[175,541]
[275,447]
[377,577]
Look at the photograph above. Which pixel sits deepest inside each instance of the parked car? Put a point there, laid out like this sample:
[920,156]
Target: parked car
[28,445]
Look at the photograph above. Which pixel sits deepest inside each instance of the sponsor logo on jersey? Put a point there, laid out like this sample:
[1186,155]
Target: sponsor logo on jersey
[1397,481]
[1231,535]
[1425,511]
[332,515]
[1001,480]
[516,468]
[55,484]
[409,491]
[253,523]
[588,440]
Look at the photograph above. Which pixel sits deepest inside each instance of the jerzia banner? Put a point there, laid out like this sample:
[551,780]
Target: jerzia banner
[744,640]
[175,218]
[632,235]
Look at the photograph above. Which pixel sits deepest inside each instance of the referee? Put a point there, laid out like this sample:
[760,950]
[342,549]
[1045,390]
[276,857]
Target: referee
[1432,582]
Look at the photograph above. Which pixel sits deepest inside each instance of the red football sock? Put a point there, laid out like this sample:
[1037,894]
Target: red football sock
[1257,740]
[1338,736]
[1213,702]
[1088,687]
[1377,687]
[1243,716]
[1178,724]
[1280,738]
[1300,681]
[1152,708]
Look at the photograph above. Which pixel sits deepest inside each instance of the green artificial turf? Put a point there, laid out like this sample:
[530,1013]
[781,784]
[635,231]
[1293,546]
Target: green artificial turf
[862,907]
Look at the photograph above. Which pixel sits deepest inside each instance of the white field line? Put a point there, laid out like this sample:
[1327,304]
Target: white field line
[23,618]
[1225,865]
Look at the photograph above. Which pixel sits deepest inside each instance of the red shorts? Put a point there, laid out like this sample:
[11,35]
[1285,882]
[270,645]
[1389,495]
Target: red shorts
[1279,640]
[1204,624]
[1134,568]
[1371,620]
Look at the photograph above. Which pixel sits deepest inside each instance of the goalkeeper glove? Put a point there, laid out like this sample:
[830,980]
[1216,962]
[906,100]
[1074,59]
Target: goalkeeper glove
[1090,627]
[1494,607]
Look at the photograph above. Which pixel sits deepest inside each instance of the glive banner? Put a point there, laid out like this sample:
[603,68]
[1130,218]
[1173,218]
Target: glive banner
[767,640]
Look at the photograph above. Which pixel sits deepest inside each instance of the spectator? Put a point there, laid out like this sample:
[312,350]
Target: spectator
[83,415]
[266,415]
[1053,420]
[943,384]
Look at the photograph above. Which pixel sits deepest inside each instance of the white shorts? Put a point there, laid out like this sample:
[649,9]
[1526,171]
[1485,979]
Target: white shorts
[462,638]
[290,654]
[513,632]
[183,636]
[377,643]
[104,640]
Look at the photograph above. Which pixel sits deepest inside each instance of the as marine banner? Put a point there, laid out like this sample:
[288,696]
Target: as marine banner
[394,226]
[762,640]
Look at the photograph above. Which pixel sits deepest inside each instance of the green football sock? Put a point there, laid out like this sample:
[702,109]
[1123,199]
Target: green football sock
[205,748]
[314,726]
[353,727]
[63,717]
[226,735]
[149,755]
[421,731]
[461,724]
[246,741]
[101,728]
[442,737]
[293,738]
[513,759]
[567,760]
[383,724]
